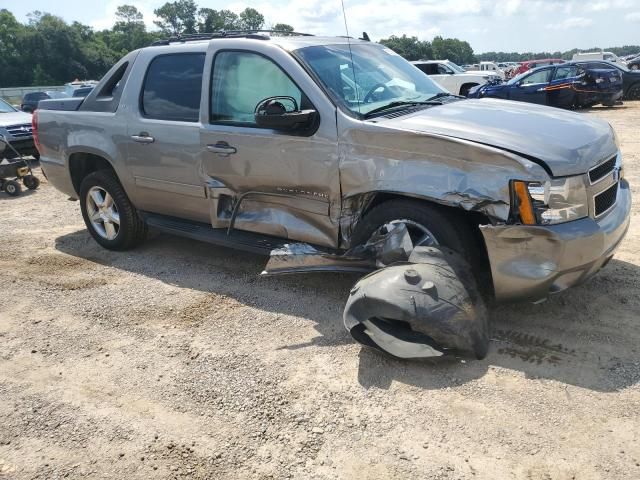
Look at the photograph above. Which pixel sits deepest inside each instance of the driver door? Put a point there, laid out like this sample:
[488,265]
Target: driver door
[279,183]
[533,87]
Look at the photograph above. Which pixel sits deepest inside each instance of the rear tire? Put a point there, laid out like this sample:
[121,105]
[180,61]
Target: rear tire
[634,92]
[129,229]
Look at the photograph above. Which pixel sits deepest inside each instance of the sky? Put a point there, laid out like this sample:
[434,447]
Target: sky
[488,25]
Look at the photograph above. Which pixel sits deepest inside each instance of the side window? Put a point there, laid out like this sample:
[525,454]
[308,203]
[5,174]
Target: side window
[442,70]
[113,84]
[240,80]
[565,72]
[541,76]
[428,68]
[173,86]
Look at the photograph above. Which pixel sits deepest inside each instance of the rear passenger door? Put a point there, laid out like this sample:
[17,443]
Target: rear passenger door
[163,142]
[561,91]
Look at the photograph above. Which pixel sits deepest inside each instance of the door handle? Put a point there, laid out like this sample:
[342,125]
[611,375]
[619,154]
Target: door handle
[222,147]
[143,137]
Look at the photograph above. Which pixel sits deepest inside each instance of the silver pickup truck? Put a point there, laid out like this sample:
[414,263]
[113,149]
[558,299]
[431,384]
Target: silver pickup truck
[252,141]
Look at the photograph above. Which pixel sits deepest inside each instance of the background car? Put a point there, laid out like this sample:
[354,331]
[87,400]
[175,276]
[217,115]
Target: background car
[531,64]
[16,128]
[453,77]
[607,56]
[630,78]
[634,63]
[30,100]
[82,92]
[565,86]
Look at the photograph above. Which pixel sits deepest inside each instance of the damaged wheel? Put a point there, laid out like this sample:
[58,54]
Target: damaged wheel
[428,225]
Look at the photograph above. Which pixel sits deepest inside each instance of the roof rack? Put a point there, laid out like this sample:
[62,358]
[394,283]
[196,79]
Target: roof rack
[256,34]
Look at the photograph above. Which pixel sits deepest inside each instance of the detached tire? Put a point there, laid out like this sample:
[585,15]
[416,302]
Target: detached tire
[108,213]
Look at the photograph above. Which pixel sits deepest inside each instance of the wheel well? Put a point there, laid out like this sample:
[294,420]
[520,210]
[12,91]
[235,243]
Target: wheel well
[473,219]
[468,86]
[82,164]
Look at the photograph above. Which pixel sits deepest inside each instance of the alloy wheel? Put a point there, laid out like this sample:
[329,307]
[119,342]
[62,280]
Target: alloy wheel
[103,213]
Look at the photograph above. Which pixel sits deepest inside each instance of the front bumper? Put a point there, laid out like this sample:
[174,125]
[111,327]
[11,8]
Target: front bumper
[528,263]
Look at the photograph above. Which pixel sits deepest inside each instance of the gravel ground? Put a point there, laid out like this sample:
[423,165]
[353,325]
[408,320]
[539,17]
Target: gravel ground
[177,360]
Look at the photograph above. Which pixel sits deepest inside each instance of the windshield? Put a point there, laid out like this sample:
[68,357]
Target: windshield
[455,68]
[6,108]
[377,77]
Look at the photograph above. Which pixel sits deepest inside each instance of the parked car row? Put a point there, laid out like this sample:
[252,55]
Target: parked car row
[581,83]
[569,85]
[74,89]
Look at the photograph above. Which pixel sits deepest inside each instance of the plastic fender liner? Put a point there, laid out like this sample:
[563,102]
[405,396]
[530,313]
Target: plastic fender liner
[426,307]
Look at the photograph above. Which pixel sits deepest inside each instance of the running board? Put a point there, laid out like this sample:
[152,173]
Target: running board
[238,239]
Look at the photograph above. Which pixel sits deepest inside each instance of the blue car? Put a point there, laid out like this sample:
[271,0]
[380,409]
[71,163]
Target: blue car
[566,85]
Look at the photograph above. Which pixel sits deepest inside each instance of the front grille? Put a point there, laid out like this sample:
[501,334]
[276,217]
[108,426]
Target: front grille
[19,131]
[602,170]
[605,200]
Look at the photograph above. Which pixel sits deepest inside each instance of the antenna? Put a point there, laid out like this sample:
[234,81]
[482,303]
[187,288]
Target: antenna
[353,67]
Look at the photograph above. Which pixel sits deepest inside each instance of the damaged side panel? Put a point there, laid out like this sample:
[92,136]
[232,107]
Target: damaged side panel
[445,170]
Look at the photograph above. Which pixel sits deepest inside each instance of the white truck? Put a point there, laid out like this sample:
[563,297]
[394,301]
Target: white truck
[453,77]
[607,56]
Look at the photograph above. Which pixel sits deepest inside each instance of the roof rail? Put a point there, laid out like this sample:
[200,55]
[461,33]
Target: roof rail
[256,34]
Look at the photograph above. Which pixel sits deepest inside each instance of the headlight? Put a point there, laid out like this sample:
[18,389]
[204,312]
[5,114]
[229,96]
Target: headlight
[551,202]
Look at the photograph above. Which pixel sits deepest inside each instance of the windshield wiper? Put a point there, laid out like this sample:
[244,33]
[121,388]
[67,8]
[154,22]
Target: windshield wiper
[443,94]
[399,103]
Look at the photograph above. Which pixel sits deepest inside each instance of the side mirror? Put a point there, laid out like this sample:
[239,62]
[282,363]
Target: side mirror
[282,113]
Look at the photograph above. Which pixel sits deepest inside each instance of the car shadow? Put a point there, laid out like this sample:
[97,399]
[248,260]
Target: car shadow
[25,193]
[588,336]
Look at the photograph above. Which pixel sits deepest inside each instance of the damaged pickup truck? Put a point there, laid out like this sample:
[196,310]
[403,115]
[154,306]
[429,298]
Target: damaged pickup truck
[336,155]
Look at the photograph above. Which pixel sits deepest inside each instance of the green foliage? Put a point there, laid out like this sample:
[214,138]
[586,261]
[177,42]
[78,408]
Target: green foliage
[210,20]
[457,51]
[409,47]
[48,51]
[177,17]
[251,19]
[283,28]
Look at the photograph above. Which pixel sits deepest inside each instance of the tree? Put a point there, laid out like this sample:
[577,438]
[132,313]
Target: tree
[129,32]
[210,20]
[177,18]
[128,14]
[282,27]
[251,19]
[452,49]
[409,47]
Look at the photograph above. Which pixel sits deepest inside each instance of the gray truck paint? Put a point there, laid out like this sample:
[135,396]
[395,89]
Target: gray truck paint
[315,189]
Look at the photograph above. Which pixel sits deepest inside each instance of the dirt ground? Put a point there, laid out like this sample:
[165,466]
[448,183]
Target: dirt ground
[177,360]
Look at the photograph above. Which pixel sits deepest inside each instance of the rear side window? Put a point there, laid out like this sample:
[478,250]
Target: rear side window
[566,72]
[173,86]
[428,68]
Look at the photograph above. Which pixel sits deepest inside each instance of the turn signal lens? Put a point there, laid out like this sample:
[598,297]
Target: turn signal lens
[525,207]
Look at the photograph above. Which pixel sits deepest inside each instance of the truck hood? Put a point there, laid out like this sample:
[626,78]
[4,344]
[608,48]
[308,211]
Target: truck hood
[567,143]
[14,118]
